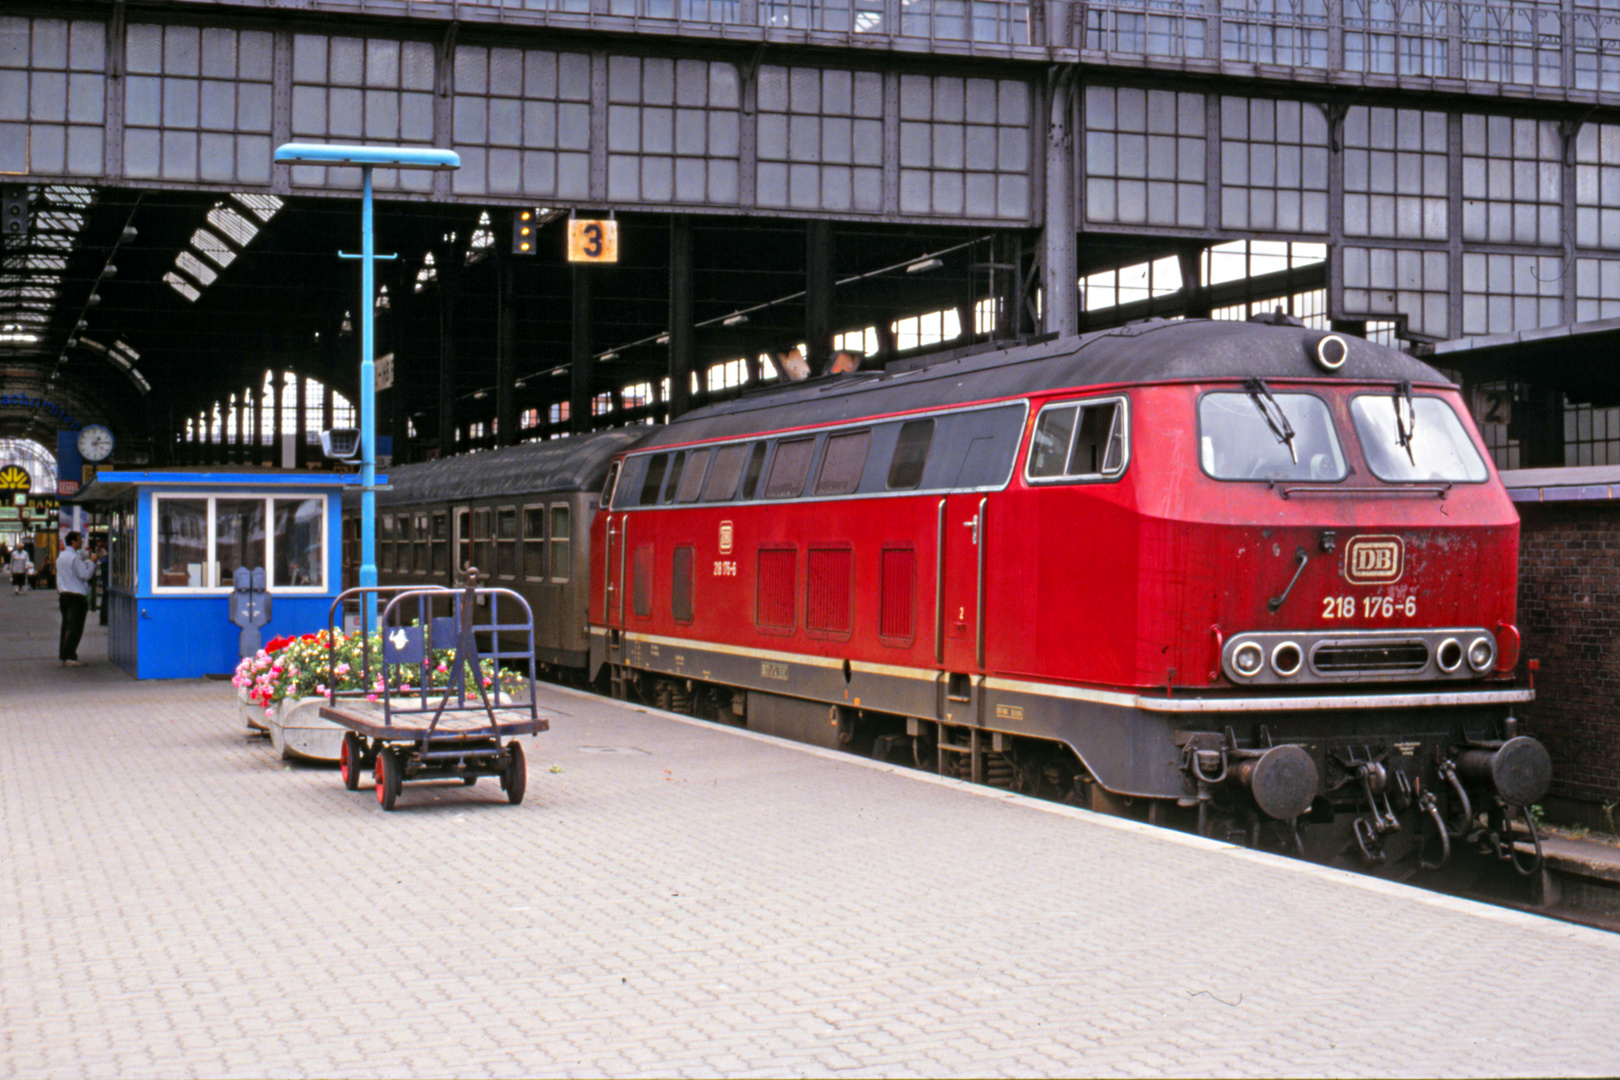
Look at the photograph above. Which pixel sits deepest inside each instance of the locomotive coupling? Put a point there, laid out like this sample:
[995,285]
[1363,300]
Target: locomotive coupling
[1518,771]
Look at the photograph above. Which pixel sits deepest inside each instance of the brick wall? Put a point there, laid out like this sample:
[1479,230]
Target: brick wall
[1569,615]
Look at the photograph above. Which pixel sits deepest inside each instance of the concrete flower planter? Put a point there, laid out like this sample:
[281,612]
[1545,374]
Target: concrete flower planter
[252,715]
[297,730]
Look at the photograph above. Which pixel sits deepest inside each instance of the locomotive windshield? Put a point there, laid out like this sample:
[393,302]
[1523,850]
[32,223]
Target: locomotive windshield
[1238,440]
[1434,447]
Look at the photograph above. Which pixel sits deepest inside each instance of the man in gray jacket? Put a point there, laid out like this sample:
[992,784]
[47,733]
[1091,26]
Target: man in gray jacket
[73,572]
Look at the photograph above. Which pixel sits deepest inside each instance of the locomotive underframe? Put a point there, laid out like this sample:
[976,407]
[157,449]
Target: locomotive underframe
[1373,755]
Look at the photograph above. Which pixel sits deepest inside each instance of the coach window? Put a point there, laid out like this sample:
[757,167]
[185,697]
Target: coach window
[1415,438]
[506,541]
[420,543]
[756,465]
[1264,435]
[843,463]
[562,563]
[534,543]
[1079,440]
[654,482]
[910,454]
[441,543]
[692,479]
[723,477]
[385,543]
[790,468]
[483,543]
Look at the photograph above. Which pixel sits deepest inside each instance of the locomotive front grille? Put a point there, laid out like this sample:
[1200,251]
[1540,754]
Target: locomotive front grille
[1338,658]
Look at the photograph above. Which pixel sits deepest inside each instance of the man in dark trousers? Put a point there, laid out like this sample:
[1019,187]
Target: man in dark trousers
[73,572]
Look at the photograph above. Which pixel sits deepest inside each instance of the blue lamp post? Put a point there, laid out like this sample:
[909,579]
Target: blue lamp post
[367,158]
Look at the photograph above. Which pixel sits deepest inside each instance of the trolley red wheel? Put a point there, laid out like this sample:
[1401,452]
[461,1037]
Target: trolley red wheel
[387,779]
[349,760]
[516,778]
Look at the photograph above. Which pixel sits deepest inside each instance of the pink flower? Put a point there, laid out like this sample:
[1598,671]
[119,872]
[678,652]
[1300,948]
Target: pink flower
[371,697]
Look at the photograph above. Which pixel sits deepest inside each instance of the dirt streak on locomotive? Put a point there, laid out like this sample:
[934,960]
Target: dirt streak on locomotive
[1251,579]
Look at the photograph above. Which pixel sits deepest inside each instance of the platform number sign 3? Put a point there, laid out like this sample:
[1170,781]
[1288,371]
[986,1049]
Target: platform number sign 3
[593,240]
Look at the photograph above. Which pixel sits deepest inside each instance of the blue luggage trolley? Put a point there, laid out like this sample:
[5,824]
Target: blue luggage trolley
[436,733]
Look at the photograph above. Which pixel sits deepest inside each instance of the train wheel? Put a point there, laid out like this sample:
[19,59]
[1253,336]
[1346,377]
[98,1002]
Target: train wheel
[387,779]
[517,773]
[349,761]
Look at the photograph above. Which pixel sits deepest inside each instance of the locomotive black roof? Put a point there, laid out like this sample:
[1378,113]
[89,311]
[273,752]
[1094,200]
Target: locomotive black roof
[1147,352]
[578,463]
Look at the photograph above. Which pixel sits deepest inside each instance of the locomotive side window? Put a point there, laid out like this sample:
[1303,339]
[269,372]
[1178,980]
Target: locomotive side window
[654,483]
[1079,440]
[910,454]
[728,466]
[562,564]
[680,592]
[676,467]
[790,469]
[1408,438]
[843,463]
[534,543]
[1266,436]
[756,465]
[692,479]
[506,541]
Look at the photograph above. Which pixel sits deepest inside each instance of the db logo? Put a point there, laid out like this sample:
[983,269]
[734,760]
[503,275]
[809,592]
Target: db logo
[1374,560]
[725,538]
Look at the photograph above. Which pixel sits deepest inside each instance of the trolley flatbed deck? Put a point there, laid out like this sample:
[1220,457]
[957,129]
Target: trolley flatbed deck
[370,719]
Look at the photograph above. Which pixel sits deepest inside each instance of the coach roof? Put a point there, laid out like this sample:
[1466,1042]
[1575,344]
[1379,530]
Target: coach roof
[1147,352]
[577,463]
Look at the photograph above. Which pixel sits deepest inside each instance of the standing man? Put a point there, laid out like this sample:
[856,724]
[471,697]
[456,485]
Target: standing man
[73,572]
[21,567]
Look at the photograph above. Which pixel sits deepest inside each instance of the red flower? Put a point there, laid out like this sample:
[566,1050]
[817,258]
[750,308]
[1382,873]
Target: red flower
[278,643]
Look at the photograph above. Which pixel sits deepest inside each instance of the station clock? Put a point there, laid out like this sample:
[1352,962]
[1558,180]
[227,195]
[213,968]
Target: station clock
[95,443]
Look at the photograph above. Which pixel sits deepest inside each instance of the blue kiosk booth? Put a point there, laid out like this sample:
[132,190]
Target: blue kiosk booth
[177,537]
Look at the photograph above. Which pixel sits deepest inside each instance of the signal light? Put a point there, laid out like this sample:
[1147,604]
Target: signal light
[13,209]
[523,225]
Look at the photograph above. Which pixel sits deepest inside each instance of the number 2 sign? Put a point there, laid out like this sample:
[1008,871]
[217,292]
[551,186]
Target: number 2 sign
[593,241]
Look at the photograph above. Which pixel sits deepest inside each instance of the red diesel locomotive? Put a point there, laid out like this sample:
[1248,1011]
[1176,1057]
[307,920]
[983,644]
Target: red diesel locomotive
[1248,578]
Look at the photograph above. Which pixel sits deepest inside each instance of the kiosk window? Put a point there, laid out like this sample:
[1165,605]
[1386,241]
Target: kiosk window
[182,542]
[300,551]
[238,537]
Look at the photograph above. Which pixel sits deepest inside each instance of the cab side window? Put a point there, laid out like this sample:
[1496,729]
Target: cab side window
[1079,440]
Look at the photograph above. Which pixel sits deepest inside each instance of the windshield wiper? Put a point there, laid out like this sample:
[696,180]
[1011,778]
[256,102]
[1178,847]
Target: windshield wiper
[1407,424]
[1260,394]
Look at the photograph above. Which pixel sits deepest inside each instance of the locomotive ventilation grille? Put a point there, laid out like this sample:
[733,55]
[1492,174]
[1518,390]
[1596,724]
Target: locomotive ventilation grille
[1304,657]
[1340,658]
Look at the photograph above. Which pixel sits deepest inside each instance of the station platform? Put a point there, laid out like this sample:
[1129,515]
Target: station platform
[677,898]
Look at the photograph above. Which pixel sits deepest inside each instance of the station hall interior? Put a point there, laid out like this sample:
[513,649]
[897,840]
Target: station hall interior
[900,180]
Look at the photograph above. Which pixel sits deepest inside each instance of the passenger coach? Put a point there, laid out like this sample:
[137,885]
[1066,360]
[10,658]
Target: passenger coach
[1247,577]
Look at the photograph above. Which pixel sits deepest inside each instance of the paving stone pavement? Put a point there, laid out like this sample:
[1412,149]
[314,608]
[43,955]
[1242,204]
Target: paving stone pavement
[698,901]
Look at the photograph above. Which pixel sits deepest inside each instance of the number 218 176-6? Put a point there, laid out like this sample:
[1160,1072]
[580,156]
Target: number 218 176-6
[1372,607]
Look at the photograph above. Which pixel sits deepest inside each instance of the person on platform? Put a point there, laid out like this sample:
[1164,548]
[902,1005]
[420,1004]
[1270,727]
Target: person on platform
[73,572]
[21,568]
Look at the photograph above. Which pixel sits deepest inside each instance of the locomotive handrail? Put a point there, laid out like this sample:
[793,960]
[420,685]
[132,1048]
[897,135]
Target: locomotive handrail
[1437,490]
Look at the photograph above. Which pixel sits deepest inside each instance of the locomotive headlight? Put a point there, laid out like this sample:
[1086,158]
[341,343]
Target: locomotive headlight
[1481,654]
[1286,659]
[1449,656]
[1247,658]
